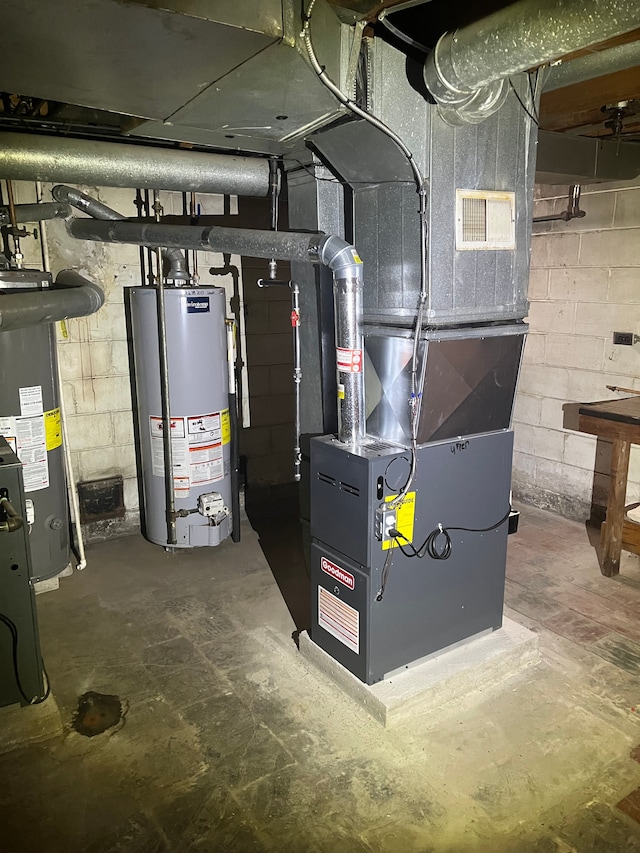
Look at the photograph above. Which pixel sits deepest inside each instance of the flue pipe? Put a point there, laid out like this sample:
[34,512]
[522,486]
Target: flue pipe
[35,212]
[81,201]
[283,245]
[72,296]
[341,258]
[28,157]
[468,70]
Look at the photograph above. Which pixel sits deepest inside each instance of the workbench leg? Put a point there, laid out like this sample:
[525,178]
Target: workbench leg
[615,508]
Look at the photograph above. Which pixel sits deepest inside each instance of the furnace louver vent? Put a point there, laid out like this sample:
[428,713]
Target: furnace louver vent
[485,220]
[352,490]
[326,478]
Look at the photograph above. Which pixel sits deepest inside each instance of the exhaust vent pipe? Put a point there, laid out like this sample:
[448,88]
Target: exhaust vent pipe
[341,258]
[468,71]
[73,296]
[81,201]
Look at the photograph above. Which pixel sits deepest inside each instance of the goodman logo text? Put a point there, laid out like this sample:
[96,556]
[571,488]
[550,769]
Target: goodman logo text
[339,574]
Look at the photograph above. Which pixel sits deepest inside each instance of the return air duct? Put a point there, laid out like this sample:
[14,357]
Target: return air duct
[468,71]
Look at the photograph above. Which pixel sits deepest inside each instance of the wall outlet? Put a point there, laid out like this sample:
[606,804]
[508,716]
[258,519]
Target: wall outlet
[626,339]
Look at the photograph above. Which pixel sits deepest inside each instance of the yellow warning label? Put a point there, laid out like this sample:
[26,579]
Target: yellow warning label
[52,429]
[340,392]
[225,426]
[63,329]
[405,515]
[356,258]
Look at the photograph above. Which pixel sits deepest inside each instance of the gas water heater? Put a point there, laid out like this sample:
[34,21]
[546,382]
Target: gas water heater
[199,409]
[30,423]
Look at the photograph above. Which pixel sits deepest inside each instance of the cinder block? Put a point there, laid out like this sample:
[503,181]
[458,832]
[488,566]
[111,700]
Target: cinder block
[281,379]
[103,394]
[106,462]
[574,351]
[602,319]
[276,409]
[548,443]
[131,494]
[611,248]
[527,409]
[524,438]
[584,285]
[621,360]
[70,359]
[280,316]
[534,349]
[282,437]
[552,316]
[585,386]
[256,318]
[551,414]
[524,467]
[89,431]
[256,441]
[627,208]
[564,479]
[555,250]
[259,384]
[269,349]
[108,323]
[108,358]
[542,381]
[624,285]
[122,427]
[276,468]
[599,207]
[580,450]
[538,284]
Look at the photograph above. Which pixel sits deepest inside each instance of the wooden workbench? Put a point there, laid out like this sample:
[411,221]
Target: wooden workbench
[618,421]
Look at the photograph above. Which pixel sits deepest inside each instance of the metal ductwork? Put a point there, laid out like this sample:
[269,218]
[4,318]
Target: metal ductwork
[73,296]
[81,201]
[468,71]
[26,157]
[594,65]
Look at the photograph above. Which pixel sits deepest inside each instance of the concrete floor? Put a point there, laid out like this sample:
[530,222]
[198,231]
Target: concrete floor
[233,742]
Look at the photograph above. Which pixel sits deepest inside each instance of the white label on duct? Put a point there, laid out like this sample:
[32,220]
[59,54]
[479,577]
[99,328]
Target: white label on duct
[340,620]
[31,449]
[31,401]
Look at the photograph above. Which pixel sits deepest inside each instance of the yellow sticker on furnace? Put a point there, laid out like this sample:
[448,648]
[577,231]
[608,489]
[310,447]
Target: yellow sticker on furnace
[225,426]
[52,429]
[405,515]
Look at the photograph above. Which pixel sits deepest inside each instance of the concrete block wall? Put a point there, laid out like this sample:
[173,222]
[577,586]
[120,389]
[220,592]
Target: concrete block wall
[94,355]
[584,285]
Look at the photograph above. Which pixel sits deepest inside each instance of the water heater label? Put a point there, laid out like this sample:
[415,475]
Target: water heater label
[53,429]
[339,574]
[31,401]
[339,620]
[349,360]
[195,304]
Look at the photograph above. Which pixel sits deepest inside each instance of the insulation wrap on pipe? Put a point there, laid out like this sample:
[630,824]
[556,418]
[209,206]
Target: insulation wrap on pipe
[25,157]
[72,296]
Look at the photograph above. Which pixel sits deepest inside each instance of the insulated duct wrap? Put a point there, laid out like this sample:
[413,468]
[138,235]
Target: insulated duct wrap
[73,296]
[282,245]
[27,157]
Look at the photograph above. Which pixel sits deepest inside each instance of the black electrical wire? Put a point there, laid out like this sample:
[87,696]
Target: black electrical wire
[430,546]
[14,648]
[523,105]
[385,574]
